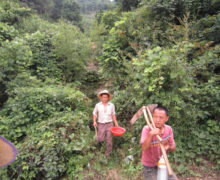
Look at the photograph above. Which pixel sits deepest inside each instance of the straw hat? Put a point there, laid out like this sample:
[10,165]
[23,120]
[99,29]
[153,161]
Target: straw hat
[8,152]
[105,92]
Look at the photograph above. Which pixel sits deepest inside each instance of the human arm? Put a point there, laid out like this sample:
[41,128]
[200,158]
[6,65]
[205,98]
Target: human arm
[114,115]
[115,120]
[170,146]
[147,142]
[94,121]
[95,113]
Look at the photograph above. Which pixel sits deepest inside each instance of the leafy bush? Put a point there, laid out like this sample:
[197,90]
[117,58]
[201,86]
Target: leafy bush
[208,28]
[72,47]
[11,12]
[34,23]
[44,62]
[51,148]
[71,11]
[109,18]
[49,125]
[14,57]
[29,105]
[7,32]
[167,76]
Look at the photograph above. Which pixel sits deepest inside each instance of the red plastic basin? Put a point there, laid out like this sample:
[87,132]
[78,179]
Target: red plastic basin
[118,131]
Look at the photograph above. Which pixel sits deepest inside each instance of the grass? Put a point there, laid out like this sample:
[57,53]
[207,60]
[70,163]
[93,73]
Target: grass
[116,168]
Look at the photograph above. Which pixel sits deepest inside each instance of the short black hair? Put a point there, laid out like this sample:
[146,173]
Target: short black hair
[160,107]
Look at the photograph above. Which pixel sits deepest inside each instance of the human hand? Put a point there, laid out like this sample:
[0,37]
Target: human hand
[155,132]
[116,124]
[167,146]
[95,124]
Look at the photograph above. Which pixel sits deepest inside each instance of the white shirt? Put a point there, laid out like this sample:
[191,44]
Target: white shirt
[104,117]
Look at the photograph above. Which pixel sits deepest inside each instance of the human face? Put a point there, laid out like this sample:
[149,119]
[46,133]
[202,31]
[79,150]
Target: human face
[160,118]
[105,98]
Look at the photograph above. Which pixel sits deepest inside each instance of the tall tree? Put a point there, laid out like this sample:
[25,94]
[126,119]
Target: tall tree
[127,5]
[56,12]
[42,6]
[71,11]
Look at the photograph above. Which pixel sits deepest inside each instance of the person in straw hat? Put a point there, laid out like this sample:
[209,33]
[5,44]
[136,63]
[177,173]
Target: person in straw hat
[104,112]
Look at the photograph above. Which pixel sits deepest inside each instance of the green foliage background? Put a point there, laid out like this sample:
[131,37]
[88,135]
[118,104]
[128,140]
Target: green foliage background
[144,52]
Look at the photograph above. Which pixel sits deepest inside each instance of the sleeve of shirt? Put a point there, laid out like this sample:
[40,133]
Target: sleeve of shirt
[144,134]
[113,110]
[95,111]
[171,140]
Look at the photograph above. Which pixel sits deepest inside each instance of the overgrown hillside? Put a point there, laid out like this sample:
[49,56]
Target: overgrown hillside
[52,63]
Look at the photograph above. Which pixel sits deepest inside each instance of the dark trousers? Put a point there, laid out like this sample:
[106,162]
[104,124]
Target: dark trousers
[150,173]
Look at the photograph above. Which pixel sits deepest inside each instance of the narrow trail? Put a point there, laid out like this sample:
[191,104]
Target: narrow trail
[93,67]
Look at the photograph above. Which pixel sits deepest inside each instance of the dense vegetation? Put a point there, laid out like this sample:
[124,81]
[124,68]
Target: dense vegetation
[145,52]
[93,6]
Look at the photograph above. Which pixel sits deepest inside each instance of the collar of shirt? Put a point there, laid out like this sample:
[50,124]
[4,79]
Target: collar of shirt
[103,104]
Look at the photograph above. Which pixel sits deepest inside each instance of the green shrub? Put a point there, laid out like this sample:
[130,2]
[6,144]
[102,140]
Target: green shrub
[208,28]
[168,77]
[14,58]
[53,148]
[11,12]
[73,49]
[44,62]
[29,105]
[7,32]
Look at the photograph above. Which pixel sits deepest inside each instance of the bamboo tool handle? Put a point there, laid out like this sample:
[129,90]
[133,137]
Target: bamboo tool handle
[151,118]
[169,169]
[149,124]
[146,118]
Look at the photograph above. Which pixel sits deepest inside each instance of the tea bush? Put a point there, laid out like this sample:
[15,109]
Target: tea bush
[29,105]
[12,13]
[44,62]
[73,50]
[51,147]
[166,76]
[49,126]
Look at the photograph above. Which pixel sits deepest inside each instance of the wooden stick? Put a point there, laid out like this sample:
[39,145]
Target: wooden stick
[169,169]
[151,118]
[138,114]
[146,118]
[148,123]
[96,133]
